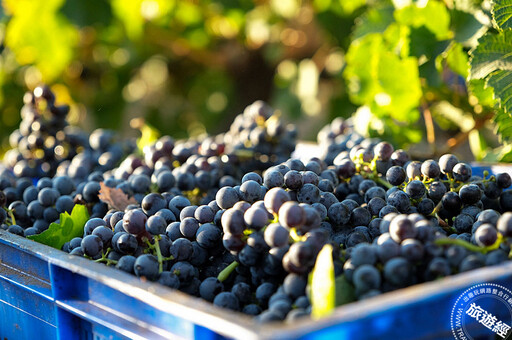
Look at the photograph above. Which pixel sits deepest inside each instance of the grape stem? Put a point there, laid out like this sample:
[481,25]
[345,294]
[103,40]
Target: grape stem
[104,258]
[383,182]
[156,247]
[11,215]
[224,274]
[470,246]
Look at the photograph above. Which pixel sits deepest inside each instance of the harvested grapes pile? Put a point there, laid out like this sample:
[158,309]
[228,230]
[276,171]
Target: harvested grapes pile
[234,220]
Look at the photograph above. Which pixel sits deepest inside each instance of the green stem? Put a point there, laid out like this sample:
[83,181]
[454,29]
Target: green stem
[383,182]
[159,254]
[294,236]
[470,246]
[224,274]
[11,215]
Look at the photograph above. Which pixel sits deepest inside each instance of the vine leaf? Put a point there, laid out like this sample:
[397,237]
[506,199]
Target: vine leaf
[492,53]
[322,282]
[502,13]
[69,227]
[379,78]
[115,198]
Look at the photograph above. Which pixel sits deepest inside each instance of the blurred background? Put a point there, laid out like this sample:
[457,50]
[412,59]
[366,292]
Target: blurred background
[190,66]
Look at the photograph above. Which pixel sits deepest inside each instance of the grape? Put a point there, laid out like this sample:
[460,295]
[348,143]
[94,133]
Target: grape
[503,180]
[134,222]
[363,254]
[486,235]
[463,223]
[470,194]
[461,172]
[292,215]
[146,265]
[156,225]
[365,278]
[309,193]
[415,189]
[92,245]
[360,217]
[181,249]
[401,228]
[451,202]
[430,169]
[447,162]
[125,243]
[152,203]
[400,200]
[210,288]
[397,271]
[504,224]
[276,235]
[338,214]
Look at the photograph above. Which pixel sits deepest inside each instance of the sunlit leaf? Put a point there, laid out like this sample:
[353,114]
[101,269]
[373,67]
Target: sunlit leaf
[492,53]
[323,289]
[382,80]
[41,36]
[483,93]
[457,60]
[374,20]
[434,16]
[502,13]
[465,26]
[69,227]
[501,83]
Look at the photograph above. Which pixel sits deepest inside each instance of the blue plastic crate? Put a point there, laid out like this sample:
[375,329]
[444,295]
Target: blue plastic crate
[48,294]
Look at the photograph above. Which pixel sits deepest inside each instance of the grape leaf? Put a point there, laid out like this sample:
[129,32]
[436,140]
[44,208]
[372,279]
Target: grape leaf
[503,122]
[374,20]
[492,53]
[345,292]
[39,35]
[115,198]
[502,13]
[322,283]
[379,78]
[501,82]
[433,16]
[484,93]
[457,60]
[69,227]
[465,26]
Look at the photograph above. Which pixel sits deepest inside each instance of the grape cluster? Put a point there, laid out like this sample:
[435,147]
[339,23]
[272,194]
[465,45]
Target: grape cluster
[44,138]
[231,219]
[45,144]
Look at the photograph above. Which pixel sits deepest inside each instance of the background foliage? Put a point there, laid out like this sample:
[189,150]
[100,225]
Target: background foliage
[429,74]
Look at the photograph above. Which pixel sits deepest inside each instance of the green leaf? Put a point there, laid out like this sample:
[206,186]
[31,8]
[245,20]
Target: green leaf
[39,35]
[503,122]
[501,82]
[149,135]
[345,292]
[483,93]
[434,16]
[379,78]
[69,227]
[502,13]
[129,13]
[88,13]
[457,60]
[465,26]
[494,52]
[323,291]
[374,20]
